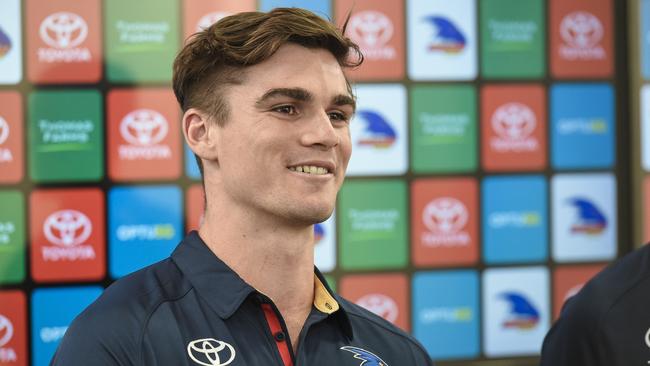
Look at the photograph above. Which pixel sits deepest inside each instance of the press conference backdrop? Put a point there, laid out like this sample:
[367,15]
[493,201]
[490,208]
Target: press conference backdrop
[495,165]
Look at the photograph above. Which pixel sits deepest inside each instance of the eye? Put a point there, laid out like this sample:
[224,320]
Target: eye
[338,116]
[286,109]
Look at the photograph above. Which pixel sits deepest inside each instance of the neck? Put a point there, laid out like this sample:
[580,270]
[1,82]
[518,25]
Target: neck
[276,259]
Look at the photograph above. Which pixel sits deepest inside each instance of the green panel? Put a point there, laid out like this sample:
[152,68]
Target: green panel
[142,38]
[443,129]
[12,237]
[66,136]
[373,221]
[512,38]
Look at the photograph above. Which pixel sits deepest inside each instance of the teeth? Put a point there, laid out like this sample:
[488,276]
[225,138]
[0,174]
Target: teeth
[309,169]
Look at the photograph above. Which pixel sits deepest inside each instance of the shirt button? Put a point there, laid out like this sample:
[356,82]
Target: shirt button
[279,336]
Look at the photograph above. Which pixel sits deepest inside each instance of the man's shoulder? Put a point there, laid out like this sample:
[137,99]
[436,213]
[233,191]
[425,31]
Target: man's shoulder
[117,319]
[615,284]
[369,324]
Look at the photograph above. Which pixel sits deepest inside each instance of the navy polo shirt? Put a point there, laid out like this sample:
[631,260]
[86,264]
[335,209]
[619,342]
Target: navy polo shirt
[192,309]
[608,322]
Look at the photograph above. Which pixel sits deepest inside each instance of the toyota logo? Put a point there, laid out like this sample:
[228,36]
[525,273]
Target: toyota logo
[370,28]
[4,131]
[581,29]
[514,121]
[143,127]
[209,351]
[208,19]
[6,330]
[445,215]
[63,30]
[647,338]
[381,305]
[67,228]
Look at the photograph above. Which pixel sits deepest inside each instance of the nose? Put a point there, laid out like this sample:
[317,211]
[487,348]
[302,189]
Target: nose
[320,132]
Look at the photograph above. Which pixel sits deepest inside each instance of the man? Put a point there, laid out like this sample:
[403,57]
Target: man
[608,322]
[266,111]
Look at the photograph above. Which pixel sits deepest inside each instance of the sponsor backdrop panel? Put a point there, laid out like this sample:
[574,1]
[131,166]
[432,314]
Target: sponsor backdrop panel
[373,231]
[12,237]
[444,222]
[464,164]
[137,32]
[583,127]
[383,294]
[513,127]
[378,131]
[325,244]
[378,28]
[144,226]
[645,127]
[581,38]
[64,41]
[443,128]
[514,219]
[66,126]
[442,41]
[13,328]
[516,313]
[11,43]
[513,34]
[447,326]
[584,222]
[12,142]
[53,309]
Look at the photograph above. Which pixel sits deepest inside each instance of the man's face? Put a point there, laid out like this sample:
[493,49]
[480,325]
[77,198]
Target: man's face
[286,144]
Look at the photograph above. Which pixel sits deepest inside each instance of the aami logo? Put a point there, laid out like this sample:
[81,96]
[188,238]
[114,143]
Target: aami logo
[514,124]
[145,232]
[582,126]
[372,30]
[5,154]
[319,233]
[581,34]
[589,220]
[6,333]
[447,315]
[446,218]
[522,313]
[381,305]
[447,38]
[67,231]
[208,19]
[143,130]
[377,133]
[5,43]
[63,32]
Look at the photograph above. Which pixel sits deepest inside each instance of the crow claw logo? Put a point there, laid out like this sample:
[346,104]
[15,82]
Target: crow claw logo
[367,358]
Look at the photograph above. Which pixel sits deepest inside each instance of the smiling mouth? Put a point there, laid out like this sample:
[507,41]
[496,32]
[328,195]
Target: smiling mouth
[309,169]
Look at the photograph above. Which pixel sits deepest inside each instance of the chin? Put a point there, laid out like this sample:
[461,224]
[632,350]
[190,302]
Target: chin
[312,215]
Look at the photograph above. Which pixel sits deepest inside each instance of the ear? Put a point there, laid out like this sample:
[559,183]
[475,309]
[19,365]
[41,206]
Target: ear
[197,130]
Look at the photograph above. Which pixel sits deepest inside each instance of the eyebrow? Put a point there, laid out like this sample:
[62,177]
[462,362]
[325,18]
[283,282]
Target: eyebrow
[303,95]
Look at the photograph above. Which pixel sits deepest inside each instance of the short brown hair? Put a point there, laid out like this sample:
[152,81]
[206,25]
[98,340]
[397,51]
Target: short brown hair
[215,57]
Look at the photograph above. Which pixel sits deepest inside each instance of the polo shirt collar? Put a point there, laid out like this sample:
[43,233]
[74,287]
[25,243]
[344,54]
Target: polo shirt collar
[225,291]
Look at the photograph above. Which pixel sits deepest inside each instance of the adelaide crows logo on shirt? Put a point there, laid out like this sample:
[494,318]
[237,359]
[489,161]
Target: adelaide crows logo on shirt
[367,358]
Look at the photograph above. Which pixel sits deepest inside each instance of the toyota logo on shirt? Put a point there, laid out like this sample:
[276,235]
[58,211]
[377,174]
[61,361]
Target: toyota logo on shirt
[143,127]
[6,330]
[63,30]
[211,352]
[67,228]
